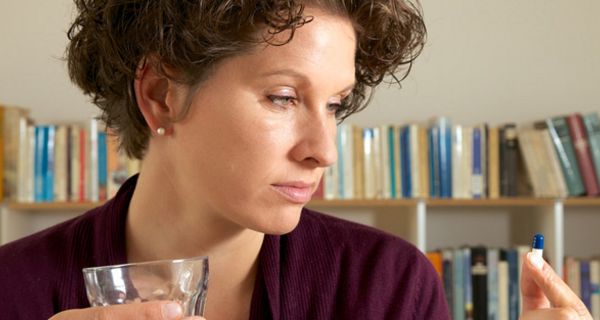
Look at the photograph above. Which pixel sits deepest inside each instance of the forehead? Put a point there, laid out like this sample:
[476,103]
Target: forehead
[324,46]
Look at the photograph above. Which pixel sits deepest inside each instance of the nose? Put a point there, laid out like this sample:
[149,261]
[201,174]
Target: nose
[316,145]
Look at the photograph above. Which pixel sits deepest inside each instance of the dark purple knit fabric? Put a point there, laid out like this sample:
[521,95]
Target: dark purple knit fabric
[326,268]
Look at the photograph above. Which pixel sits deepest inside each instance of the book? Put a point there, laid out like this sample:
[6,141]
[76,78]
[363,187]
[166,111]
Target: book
[493,164]
[423,191]
[595,288]
[384,162]
[586,286]
[583,154]
[461,163]
[493,258]
[468,284]
[49,165]
[40,143]
[479,274]
[554,171]
[592,128]
[434,162]
[513,284]
[508,160]
[503,288]
[102,167]
[1,153]
[563,145]
[405,162]
[369,163]
[11,131]
[445,155]
[358,170]
[458,290]
[478,166]
[447,276]
[60,164]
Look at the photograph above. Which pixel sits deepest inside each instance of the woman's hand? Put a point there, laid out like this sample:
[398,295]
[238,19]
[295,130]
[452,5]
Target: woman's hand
[546,296]
[156,310]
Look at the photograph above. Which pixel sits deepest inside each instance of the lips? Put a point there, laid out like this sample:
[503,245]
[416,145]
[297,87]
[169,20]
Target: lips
[295,192]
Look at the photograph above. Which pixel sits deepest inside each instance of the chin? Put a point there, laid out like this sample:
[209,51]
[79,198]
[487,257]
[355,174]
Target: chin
[283,221]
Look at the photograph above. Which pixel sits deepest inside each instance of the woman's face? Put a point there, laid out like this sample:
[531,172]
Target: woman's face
[261,129]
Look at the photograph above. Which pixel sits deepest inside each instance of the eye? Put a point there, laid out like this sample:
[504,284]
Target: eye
[282,101]
[334,107]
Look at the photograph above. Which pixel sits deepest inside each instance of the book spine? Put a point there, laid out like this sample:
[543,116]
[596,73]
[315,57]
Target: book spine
[513,283]
[493,256]
[592,128]
[39,168]
[102,167]
[586,286]
[83,163]
[384,160]
[358,169]
[468,284]
[479,274]
[348,143]
[23,161]
[393,161]
[563,145]
[405,163]
[583,154]
[423,162]
[60,164]
[494,164]
[503,287]
[434,160]
[477,169]
[30,173]
[445,156]
[458,273]
[509,161]
[447,276]
[50,165]
[369,174]
[595,288]
[415,174]
[457,156]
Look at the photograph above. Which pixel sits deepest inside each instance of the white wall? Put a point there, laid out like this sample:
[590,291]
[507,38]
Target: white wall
[494,61]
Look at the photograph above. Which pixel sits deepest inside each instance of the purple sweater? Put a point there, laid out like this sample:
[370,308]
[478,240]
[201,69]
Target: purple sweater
[326,268]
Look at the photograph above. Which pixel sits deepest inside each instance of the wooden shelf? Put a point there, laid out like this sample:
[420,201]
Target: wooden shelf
[53,206]
[361,203]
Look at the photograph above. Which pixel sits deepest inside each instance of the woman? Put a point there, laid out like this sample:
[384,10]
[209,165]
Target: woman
[233,107]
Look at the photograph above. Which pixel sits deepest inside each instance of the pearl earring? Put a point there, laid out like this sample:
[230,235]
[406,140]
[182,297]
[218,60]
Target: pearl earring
[160,131]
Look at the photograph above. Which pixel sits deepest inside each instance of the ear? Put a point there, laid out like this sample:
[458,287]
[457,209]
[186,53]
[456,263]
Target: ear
[158,97]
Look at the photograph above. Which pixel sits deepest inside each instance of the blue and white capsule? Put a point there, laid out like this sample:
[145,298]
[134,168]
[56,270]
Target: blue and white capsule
[537,250]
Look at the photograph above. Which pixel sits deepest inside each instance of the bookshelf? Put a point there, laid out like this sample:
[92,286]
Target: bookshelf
[407,218]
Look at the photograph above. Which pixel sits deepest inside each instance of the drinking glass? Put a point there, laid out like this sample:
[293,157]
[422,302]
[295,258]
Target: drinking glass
[183,280]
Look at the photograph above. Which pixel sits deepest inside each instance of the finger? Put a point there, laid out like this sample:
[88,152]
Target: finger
[556,290]
[550,314]
[157,310]
[533,296]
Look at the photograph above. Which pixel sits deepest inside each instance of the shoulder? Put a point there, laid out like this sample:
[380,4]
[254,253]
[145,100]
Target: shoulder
[35,267]
[356,239]
[387,275]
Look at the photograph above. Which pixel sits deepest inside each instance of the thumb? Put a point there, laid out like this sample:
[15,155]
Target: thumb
[156,310]
[542,287]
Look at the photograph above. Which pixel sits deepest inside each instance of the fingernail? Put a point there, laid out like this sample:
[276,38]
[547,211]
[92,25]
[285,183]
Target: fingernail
[171,311]
[536,260]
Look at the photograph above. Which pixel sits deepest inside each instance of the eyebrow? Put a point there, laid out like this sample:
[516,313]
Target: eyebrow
[295,74]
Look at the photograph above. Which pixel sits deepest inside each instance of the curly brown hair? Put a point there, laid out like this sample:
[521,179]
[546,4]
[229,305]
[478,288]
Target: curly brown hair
[109,39]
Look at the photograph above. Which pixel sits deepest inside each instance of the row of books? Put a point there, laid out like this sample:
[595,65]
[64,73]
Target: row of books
[557,157]
[60,162]
[483,283]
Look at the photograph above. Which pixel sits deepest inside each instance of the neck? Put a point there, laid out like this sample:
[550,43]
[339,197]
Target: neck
[162,225]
